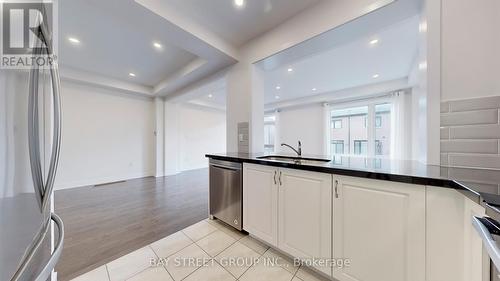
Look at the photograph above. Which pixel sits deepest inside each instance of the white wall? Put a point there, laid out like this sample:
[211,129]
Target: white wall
[418,80]
[191,131]
[305,124]
[470,49]
[107,136]
[201,131]
[244,90]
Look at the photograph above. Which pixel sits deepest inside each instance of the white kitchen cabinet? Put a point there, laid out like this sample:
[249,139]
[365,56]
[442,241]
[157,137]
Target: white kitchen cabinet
[260,202]
[454,249]
[291,210]
[476,260]
[379,226]
[305,215]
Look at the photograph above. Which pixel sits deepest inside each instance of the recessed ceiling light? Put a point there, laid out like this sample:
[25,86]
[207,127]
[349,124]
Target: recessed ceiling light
[157,45]
[277,97]
[374,42]
[314,89]
[278,87]
[74,40]
[290,69]
[239,3]
[131,74]
[375,76]
[210,96]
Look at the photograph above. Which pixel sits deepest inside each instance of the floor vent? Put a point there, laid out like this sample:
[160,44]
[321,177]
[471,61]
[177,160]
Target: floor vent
[109,183]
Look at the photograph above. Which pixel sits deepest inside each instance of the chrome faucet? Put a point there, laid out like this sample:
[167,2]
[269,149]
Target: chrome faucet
[298,151]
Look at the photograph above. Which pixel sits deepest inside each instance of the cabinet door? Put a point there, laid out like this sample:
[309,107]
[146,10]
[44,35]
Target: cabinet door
[476,259]
[379,226]
[260,202]
[305,215]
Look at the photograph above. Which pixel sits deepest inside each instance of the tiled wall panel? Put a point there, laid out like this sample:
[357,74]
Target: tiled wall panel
[243,137]
[470,133]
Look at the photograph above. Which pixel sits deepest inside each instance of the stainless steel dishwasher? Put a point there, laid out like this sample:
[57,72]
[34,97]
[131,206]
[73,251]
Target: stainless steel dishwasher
[226,192]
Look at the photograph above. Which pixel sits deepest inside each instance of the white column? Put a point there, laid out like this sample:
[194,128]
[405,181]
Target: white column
[257,111]
[171,148]
[160,137]
[245,103]
[433,34]
[238,97]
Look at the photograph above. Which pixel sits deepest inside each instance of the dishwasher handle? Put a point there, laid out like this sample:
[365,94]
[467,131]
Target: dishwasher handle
[225,167]
[235,166]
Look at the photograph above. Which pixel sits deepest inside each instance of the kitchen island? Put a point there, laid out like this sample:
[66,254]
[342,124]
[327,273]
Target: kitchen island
[387,219]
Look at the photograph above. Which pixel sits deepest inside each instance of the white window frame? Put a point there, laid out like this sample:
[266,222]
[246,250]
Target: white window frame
[276,133]
[370,103]
[337,120]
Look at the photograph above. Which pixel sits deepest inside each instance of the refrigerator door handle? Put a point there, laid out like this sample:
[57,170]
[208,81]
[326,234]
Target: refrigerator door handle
[56,139]
[47,188]
[47,269]
[34,136]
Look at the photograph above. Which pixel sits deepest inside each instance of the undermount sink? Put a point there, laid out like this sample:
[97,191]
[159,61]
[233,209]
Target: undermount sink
[297,160]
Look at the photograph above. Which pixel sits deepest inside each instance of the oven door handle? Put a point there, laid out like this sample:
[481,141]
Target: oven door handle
[489,242]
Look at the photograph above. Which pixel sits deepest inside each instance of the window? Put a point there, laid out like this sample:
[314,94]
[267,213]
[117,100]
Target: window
[352,128]
[338,147]
[337,160]
[337,124]
[360,147]
[269,133]
[361,130]
[378,121]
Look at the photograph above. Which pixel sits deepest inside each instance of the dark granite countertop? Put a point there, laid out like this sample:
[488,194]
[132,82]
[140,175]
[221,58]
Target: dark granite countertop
[480,185]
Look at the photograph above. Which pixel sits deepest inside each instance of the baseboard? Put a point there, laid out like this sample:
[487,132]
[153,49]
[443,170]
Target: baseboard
[194,168]
[103,180]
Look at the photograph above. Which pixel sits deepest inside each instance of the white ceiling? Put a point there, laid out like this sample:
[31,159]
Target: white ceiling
[348,65]
[239,25]
[116,39]
[211,94]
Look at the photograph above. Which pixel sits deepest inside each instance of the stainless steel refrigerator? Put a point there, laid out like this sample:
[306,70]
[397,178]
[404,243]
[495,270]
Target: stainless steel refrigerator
[31,235]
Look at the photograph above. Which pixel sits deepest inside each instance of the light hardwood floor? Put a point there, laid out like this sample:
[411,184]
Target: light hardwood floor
[105,222]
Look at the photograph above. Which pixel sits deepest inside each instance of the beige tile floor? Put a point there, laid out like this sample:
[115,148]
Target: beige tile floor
[203,252]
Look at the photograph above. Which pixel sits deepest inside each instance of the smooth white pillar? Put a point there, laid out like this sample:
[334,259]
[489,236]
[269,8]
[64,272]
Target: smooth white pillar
[245,103]
[159,137]
[171,138]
